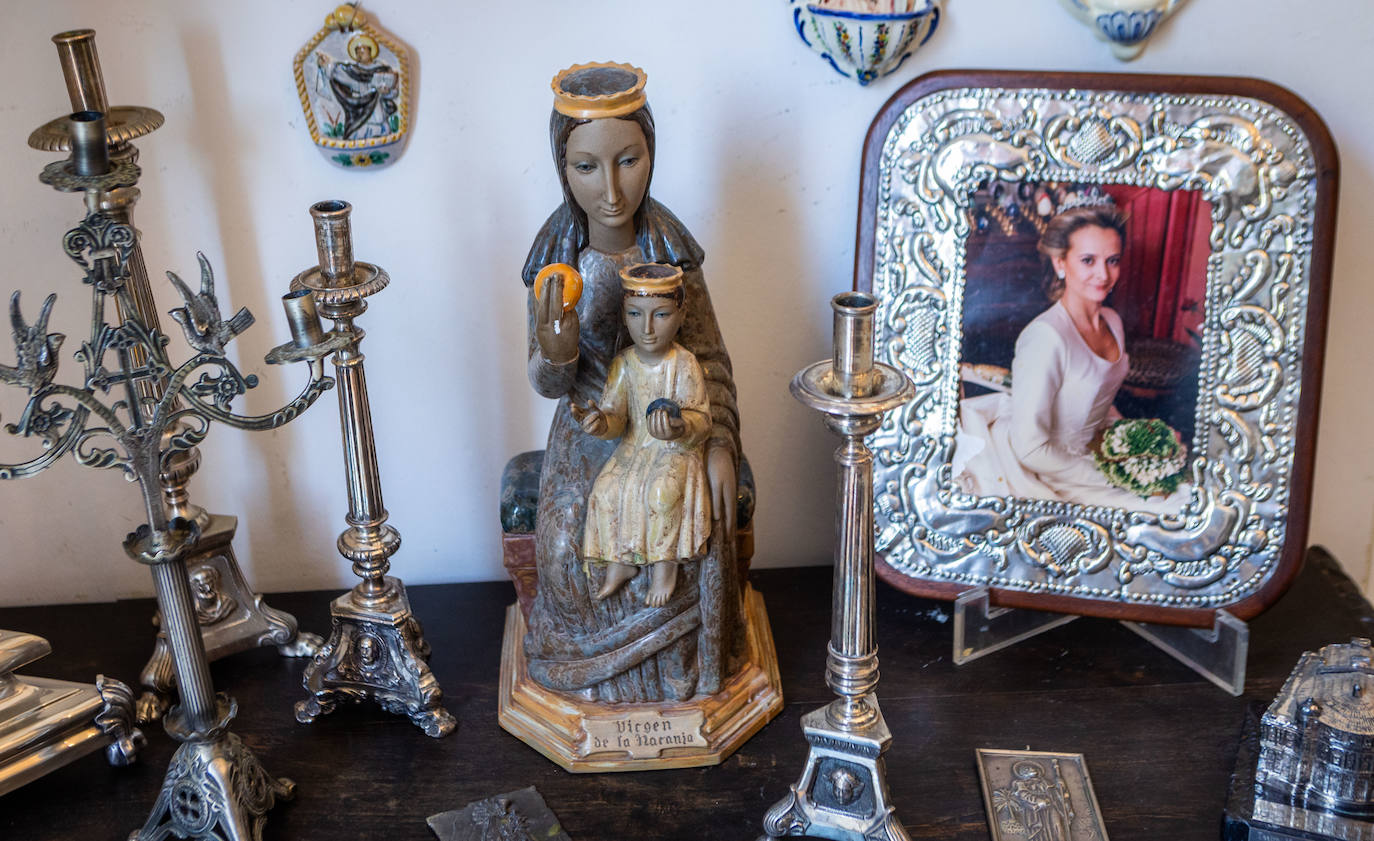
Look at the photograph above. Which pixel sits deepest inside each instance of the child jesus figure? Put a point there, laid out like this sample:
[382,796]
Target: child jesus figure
[650,504]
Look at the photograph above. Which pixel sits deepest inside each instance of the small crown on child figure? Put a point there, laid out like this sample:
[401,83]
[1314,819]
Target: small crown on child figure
[651,279]
[1087,197]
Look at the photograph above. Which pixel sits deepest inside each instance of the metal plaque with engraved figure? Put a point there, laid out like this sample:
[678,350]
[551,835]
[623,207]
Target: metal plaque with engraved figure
[1034,796]
[514,816]
[1128,438]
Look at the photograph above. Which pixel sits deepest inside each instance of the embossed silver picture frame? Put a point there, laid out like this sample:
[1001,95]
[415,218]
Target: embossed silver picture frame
[1266,169]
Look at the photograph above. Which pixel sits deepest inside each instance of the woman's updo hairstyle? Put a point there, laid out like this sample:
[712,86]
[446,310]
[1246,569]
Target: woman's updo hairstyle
[1099,212]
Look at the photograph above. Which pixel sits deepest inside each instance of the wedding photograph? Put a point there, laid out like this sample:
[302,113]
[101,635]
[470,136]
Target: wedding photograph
[1082,326]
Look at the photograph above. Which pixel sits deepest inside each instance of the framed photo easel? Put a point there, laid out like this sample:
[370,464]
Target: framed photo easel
[1131,439]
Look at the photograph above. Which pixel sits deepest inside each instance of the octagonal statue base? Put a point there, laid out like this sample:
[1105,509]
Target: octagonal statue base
[588,737]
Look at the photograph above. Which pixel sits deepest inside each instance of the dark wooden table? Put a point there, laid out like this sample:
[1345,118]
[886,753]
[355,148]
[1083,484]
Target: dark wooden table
[1159,740]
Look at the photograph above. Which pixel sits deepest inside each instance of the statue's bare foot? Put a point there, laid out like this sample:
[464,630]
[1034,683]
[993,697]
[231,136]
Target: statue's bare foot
[616,576]
[661,584]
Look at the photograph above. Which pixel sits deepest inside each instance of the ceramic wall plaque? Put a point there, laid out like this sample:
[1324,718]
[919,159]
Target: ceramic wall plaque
[1187,298]
[354,85]
[865,39]
[1124,24]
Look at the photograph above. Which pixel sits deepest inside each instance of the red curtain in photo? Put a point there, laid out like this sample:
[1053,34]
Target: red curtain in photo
[1163,277]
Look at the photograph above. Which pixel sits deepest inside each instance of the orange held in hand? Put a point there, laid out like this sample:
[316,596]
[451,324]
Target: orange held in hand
[572,283]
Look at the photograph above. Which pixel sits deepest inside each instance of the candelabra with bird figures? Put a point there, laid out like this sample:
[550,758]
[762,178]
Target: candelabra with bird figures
[137,412]
[231,616]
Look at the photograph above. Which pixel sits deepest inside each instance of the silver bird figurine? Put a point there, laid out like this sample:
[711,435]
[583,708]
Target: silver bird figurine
[200,319]
[35,348]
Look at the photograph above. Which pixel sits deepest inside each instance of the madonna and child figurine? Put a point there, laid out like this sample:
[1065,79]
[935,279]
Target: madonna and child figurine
[611,666]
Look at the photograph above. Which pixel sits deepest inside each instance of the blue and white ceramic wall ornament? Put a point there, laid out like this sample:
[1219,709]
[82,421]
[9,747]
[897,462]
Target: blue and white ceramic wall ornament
[865,39]
[1124,24]
[354,85]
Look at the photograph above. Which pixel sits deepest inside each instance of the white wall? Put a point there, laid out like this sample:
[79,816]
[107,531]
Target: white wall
[759,144]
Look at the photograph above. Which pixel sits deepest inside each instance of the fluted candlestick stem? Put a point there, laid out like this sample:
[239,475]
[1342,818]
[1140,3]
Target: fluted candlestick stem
[843,791]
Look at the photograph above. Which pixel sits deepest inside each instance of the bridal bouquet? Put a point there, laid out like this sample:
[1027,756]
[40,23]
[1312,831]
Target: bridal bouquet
[1142,455]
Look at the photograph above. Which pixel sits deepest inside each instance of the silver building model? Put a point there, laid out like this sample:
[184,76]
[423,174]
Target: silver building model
[1316,758]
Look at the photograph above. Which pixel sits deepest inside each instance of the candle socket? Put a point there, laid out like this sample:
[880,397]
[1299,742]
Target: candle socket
[302,318]
[90,154]
[334,240]
[81,69]
[86,91]
[852,363]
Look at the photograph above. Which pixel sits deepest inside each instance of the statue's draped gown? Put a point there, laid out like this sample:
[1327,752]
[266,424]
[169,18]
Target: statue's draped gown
[651,502]
[618,649]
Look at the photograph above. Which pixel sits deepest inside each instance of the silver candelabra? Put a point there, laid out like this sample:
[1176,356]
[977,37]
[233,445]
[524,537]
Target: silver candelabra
[843,792]
[376,649]
[231,616]
[137,412]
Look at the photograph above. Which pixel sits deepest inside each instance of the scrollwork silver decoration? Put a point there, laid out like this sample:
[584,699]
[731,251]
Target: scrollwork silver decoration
[116,720]
[1093,140]
[135,423]
[1256,167]
[215,787]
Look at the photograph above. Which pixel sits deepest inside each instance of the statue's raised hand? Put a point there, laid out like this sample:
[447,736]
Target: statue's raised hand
[555,328]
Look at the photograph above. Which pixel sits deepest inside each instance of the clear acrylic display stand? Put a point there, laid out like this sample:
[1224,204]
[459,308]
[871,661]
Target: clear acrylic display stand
[1217,653]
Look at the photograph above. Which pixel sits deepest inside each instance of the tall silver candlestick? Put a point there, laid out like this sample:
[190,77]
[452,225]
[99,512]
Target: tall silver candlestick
[376,650]
[843,792]
[231,616]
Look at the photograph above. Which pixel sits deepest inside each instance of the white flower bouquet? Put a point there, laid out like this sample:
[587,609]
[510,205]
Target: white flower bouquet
[1145,456]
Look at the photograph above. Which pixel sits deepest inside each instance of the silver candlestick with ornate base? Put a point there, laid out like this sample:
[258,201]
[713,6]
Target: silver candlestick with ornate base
[232,617]
[843,791]
[376,649]
[215,787]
